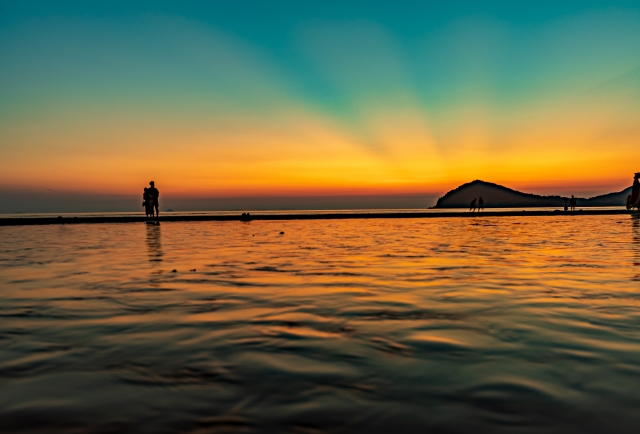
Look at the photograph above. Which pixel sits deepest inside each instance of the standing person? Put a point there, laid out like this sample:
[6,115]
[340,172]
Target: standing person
[565,202]
[633,201]
[480,203]
[147,203]
[155,194]
[472,206]
[572,203]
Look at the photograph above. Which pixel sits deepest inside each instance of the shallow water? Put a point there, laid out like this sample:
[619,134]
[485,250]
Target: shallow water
[507,324]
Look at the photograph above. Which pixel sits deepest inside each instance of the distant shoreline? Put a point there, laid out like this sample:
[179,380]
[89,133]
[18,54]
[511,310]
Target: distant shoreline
[29,221]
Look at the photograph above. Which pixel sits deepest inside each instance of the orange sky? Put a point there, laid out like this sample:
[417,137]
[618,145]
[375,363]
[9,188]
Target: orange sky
[103,104]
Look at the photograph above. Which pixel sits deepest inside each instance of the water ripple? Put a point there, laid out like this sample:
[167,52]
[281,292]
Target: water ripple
[497,325]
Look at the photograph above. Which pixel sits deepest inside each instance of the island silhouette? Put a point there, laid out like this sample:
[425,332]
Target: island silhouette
[498,196]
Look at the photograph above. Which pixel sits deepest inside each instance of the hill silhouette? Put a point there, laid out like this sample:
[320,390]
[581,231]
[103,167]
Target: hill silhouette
[498,196]
[610,199]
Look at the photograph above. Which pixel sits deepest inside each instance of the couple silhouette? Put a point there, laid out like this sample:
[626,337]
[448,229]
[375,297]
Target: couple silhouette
[472,206]
[150,200]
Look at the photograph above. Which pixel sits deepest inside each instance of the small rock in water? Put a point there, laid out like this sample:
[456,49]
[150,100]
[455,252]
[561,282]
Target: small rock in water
[281,233]
[193,270]
[174,271]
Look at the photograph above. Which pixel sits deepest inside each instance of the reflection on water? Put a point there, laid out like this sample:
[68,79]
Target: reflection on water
[636,244]
[154,244]
[444,325]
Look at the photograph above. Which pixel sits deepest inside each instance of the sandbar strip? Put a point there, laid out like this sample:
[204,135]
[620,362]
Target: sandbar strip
[23,221]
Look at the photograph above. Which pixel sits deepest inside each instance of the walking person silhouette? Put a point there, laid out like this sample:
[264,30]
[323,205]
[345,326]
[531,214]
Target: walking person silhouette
[472,206]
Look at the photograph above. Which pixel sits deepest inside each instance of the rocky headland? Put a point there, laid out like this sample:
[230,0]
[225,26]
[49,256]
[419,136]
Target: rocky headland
[498,196]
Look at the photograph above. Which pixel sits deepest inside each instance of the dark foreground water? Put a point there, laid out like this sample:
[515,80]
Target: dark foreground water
[515,325]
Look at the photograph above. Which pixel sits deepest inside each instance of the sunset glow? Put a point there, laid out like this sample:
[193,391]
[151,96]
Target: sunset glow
[310,101]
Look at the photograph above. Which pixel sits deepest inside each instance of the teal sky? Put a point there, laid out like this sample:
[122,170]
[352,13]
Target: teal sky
[328,53]
[92,80]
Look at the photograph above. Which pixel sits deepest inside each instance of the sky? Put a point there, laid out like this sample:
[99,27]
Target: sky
[290,99]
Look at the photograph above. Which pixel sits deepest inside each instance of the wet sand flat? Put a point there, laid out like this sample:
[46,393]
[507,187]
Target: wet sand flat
[230,216]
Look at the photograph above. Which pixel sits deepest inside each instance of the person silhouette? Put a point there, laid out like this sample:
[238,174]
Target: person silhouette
[472,206]
[480,203]
[155,194]
[633,200]
[147,203]
[572,203]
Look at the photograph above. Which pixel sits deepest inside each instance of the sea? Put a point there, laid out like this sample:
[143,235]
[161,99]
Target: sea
[439,325]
